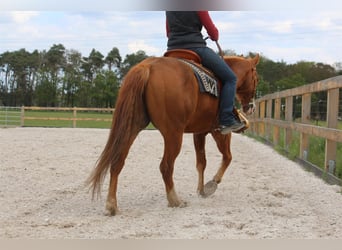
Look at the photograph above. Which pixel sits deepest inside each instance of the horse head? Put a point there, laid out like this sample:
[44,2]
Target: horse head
[247,80]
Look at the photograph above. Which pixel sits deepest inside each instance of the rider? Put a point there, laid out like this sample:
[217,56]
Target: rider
[183,30]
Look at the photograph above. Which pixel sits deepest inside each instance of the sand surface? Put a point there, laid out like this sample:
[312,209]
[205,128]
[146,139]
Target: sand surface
[262,195]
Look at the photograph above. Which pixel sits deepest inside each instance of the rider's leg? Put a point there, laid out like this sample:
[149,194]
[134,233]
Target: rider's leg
[214,62]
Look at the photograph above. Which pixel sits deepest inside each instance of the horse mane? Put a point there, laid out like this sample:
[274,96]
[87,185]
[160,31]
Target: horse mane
[241,58]
[234,58]
[236,62]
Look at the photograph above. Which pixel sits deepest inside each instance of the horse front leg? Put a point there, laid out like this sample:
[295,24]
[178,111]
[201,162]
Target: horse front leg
[172,147]
[201,161]
[223,144]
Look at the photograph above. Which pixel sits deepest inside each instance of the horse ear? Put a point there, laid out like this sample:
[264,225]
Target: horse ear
[256,59]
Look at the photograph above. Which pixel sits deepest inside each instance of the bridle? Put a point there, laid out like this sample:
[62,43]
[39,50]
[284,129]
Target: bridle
[250,106]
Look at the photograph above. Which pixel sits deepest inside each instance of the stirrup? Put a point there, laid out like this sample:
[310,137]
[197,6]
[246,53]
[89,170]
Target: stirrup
[242,119]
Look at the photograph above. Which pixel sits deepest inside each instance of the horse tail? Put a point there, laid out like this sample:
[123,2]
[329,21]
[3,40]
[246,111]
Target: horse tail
[129,118]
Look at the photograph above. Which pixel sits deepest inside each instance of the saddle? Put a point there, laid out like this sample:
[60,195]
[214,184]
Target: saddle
[206,79]
[184,54]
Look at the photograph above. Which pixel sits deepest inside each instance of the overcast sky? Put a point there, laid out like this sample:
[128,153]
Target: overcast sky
[291,35]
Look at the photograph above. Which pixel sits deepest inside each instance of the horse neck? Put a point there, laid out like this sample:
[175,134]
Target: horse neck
[240,67]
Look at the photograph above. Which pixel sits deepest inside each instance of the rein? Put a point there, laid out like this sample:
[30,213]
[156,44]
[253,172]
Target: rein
[219,49]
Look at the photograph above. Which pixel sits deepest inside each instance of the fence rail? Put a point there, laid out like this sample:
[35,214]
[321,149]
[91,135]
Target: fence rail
[74,117]
[275,111]
[10,116]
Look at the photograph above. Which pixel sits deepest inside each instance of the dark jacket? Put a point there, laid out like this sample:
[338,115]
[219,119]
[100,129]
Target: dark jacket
[184,30]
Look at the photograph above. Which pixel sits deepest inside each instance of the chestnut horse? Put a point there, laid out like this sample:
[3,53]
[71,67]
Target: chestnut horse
[165,92]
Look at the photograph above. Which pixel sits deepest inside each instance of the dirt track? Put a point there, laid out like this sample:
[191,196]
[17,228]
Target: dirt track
[262,195]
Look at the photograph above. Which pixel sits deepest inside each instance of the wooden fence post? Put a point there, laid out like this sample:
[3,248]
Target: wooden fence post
[74,117]
[262,116]
[277,108]
[269,134]
[304,138]
[22,116]
[331,146]
[289,118]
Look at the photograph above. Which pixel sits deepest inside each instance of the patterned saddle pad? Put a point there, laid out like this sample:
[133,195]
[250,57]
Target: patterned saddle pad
[206,80]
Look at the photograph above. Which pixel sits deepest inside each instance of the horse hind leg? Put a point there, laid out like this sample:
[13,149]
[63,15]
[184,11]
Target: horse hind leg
[223,144]
[115,169]
[111,204]
[201,161]
[172,147]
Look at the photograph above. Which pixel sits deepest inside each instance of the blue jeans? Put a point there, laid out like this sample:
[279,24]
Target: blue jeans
[217,65]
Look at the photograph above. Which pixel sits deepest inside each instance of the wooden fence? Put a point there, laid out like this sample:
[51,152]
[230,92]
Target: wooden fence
[10,116]
[275,111]
[74,117]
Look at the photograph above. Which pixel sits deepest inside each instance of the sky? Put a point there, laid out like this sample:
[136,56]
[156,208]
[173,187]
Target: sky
[281,34]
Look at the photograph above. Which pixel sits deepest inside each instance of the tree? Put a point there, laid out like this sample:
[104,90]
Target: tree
[92,65]
[96,62]
[272,72]
[6,75]
[91,68]
[338,67]
[18,73]
[98,91]
[46,93]
[263,87]
[113,59]
[322,71]
[131,60]
[289,82]
[105,89]
[64,77]
[111,89]
[72,77]
[51,75]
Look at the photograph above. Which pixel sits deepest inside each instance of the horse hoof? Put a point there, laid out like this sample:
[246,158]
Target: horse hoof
[179,204]
[183,204]
[111,213]
[111,210]
[209,188]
